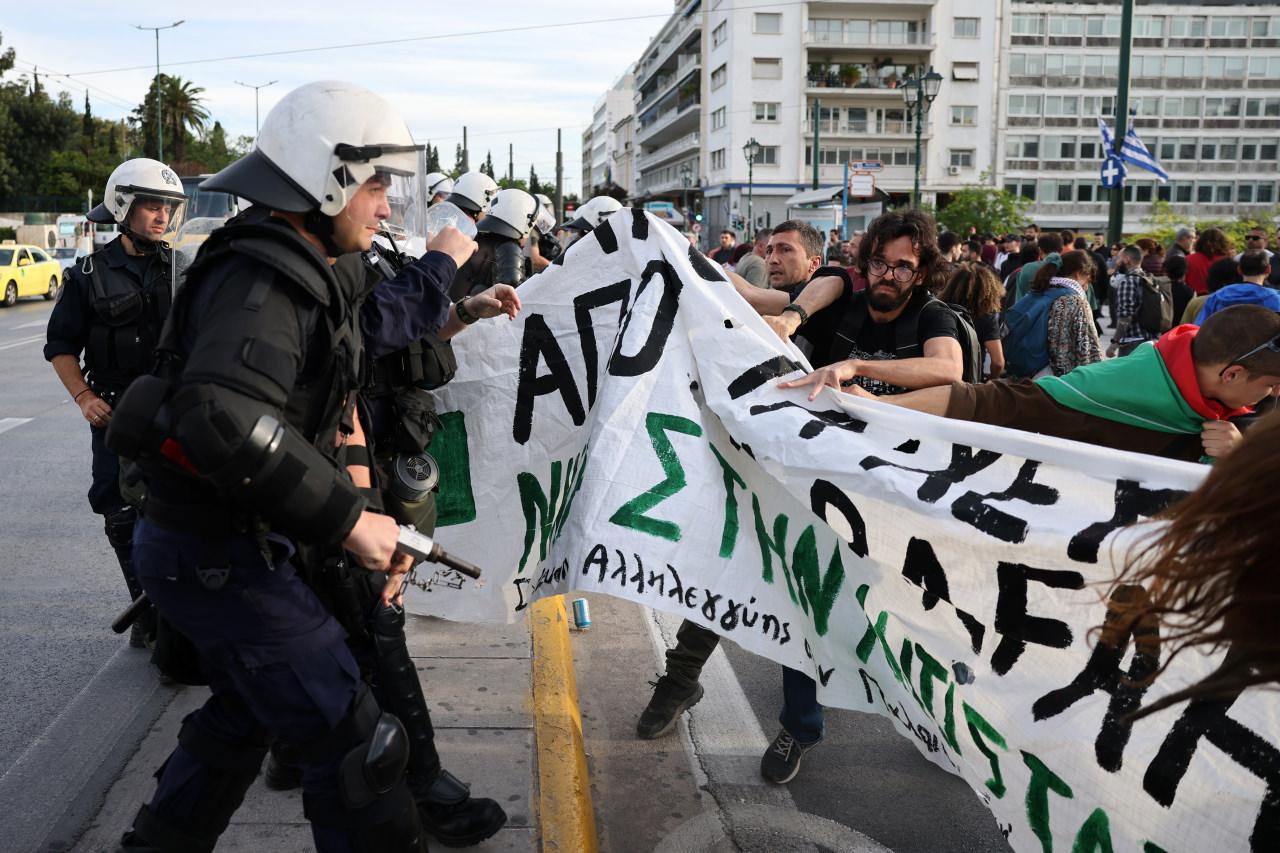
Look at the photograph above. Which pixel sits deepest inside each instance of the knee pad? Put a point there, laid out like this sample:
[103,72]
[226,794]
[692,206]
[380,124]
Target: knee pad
[119,527]
[376,765]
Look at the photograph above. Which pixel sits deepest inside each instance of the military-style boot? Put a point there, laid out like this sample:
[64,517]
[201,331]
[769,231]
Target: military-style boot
[119,530]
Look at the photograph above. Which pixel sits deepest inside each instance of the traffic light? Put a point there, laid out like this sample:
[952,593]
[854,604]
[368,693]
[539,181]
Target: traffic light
[697,209]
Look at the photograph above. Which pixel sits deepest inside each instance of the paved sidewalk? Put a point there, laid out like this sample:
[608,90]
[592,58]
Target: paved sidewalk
[477,679]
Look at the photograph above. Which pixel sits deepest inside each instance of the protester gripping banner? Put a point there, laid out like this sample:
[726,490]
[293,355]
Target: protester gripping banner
[626,436]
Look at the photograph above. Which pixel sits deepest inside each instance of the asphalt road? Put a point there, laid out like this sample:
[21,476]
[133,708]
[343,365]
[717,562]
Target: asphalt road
[60,587]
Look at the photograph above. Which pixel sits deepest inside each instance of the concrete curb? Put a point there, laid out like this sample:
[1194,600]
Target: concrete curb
[566,814]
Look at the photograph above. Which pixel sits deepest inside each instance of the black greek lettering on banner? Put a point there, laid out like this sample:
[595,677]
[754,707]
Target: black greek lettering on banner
[824,495]
[1016,626]
[664,319]
[583,305]
[1102,672]
[974,509]
[819,420]
[753,377]
[964,464]
[1131,501]
[1207,718]
[922,568]
[539,345]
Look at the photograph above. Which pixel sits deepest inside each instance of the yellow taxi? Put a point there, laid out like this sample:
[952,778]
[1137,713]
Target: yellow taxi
[27,271]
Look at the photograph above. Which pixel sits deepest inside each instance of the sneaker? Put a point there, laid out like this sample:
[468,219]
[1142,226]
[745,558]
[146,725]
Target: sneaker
[781,761]
[668,702]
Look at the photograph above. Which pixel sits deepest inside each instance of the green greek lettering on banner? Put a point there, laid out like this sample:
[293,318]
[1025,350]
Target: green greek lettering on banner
[455,500]
[816,593]
[729,534]
[1043,780]
[545,516]
[632,513]
[979,729]
[875,632]
[930,669]
[1094,835]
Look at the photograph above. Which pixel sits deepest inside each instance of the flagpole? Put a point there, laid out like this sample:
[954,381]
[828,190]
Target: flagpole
[1115,222]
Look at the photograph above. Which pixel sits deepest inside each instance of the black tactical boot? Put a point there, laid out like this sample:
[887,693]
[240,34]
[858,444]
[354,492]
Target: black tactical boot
[668,702]
[284,770]
[455,818]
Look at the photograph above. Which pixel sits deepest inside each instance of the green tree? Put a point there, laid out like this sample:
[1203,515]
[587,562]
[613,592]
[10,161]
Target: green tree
[534,186]
[457,161]
[487,166]
[985,208]
[184,114]
[433,158]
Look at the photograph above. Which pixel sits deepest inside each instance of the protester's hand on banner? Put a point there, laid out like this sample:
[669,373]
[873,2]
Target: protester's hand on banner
[785,324]
[832,376]
[453,243]
[499,299]
[1219,437]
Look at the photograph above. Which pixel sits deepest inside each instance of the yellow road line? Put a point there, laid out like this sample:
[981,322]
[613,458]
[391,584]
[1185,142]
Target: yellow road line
[564,788]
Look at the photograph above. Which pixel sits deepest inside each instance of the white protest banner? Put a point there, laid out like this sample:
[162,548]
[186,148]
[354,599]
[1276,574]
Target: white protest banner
[626,436]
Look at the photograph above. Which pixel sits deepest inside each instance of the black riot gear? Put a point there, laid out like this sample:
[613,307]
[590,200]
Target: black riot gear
[128,316]
[497,260]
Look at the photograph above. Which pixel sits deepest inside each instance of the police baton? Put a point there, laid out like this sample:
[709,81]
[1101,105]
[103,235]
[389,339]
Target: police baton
[423,547]
[130,614]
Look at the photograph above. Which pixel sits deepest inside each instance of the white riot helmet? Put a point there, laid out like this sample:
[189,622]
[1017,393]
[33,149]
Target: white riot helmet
[437,184]
[317,146]
[544,223]
[594,212]
[132,180]
[545,202]
[473,191]
[511,214]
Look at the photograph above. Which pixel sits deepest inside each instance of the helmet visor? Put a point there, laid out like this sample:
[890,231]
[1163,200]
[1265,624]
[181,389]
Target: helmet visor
[403,193]
[155,215]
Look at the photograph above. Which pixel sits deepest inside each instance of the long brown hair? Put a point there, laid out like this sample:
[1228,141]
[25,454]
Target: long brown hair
[1212,242]
[975,287]
[1070,264]
[1210,572]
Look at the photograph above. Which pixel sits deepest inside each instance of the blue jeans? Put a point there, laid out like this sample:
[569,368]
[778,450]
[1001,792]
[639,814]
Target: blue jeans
[801,714]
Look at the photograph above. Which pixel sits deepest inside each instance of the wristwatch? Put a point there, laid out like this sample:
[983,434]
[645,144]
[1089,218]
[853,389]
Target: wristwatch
[803,314]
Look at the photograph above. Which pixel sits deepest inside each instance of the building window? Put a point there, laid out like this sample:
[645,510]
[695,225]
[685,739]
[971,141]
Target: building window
[719,34]
[962,157]
[1147,27]
[766,110]
[1066,25]
[1028,25]
[717,160]
[769,23]
[768,156]
[1026,64]
[964,71]
[718,77]
[1023,147]
[1024,105]
[1062,105]
[1234,28]
[964,116]
[717,118]
[766,69]
[1184,27]
[1066,64]
[966,28]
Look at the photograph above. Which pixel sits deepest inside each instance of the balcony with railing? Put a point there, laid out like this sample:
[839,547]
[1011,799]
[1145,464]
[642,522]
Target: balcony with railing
[655,127]
[861,39]
[843,127]
[660,58]
[669,151]
[868,77]
[664,82]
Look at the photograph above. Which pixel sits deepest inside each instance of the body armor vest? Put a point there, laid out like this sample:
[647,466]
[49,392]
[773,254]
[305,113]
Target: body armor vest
[128,319]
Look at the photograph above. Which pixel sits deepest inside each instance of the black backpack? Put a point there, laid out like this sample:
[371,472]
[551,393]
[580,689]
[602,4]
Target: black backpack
[906,330]
[1155,314]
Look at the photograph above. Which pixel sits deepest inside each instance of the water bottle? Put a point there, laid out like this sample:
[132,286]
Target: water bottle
[444,214]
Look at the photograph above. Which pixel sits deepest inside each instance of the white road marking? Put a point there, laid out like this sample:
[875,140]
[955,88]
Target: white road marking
[22,342]
[33,324]
[7,424]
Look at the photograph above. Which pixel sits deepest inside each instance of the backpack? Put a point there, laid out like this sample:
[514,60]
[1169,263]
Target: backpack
[1026,337]
[906,330]
[1155,314]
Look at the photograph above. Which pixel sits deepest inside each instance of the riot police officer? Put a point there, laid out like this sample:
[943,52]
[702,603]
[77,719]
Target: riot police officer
[111,308]
[439,186]
[541,249]
[499,235]
[472,193]
[590,215]
[240,429]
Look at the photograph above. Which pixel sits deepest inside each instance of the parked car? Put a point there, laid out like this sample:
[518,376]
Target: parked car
[27,271]
[66,257]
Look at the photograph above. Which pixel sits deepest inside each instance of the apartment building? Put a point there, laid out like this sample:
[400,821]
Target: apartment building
[1023,83]
[601,144]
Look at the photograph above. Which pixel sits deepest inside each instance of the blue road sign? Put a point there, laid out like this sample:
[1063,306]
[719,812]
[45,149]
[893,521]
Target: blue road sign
[1113,172]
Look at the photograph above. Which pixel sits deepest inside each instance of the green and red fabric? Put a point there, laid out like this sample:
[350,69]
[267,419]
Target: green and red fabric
[1154,387]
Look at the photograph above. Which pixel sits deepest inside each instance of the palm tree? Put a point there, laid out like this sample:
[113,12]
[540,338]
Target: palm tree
[183,111]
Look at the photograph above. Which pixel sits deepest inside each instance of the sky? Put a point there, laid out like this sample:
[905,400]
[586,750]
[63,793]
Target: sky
[511,87]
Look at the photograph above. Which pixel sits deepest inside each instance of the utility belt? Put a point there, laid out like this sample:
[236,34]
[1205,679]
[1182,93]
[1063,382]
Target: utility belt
[426,363]
[212,520]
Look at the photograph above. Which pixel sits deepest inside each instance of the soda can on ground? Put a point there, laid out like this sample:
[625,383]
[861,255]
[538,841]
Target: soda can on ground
[581,614]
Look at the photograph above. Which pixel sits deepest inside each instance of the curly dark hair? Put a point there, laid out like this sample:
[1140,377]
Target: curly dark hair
[975,287]
[1213,242]
[921,229]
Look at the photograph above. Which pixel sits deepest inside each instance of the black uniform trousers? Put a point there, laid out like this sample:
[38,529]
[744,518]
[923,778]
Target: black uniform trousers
[276,660]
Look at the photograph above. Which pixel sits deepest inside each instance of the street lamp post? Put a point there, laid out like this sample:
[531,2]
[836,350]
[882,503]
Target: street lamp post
[751,151]
[919,94]
[686,178]
[255,100]
[159,95]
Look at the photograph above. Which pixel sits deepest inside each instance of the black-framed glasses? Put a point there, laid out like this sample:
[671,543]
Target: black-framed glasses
[1255,236]
[1273,345]
[901,273]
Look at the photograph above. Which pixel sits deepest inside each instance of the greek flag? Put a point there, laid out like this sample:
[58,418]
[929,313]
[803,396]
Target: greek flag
[1132,151]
